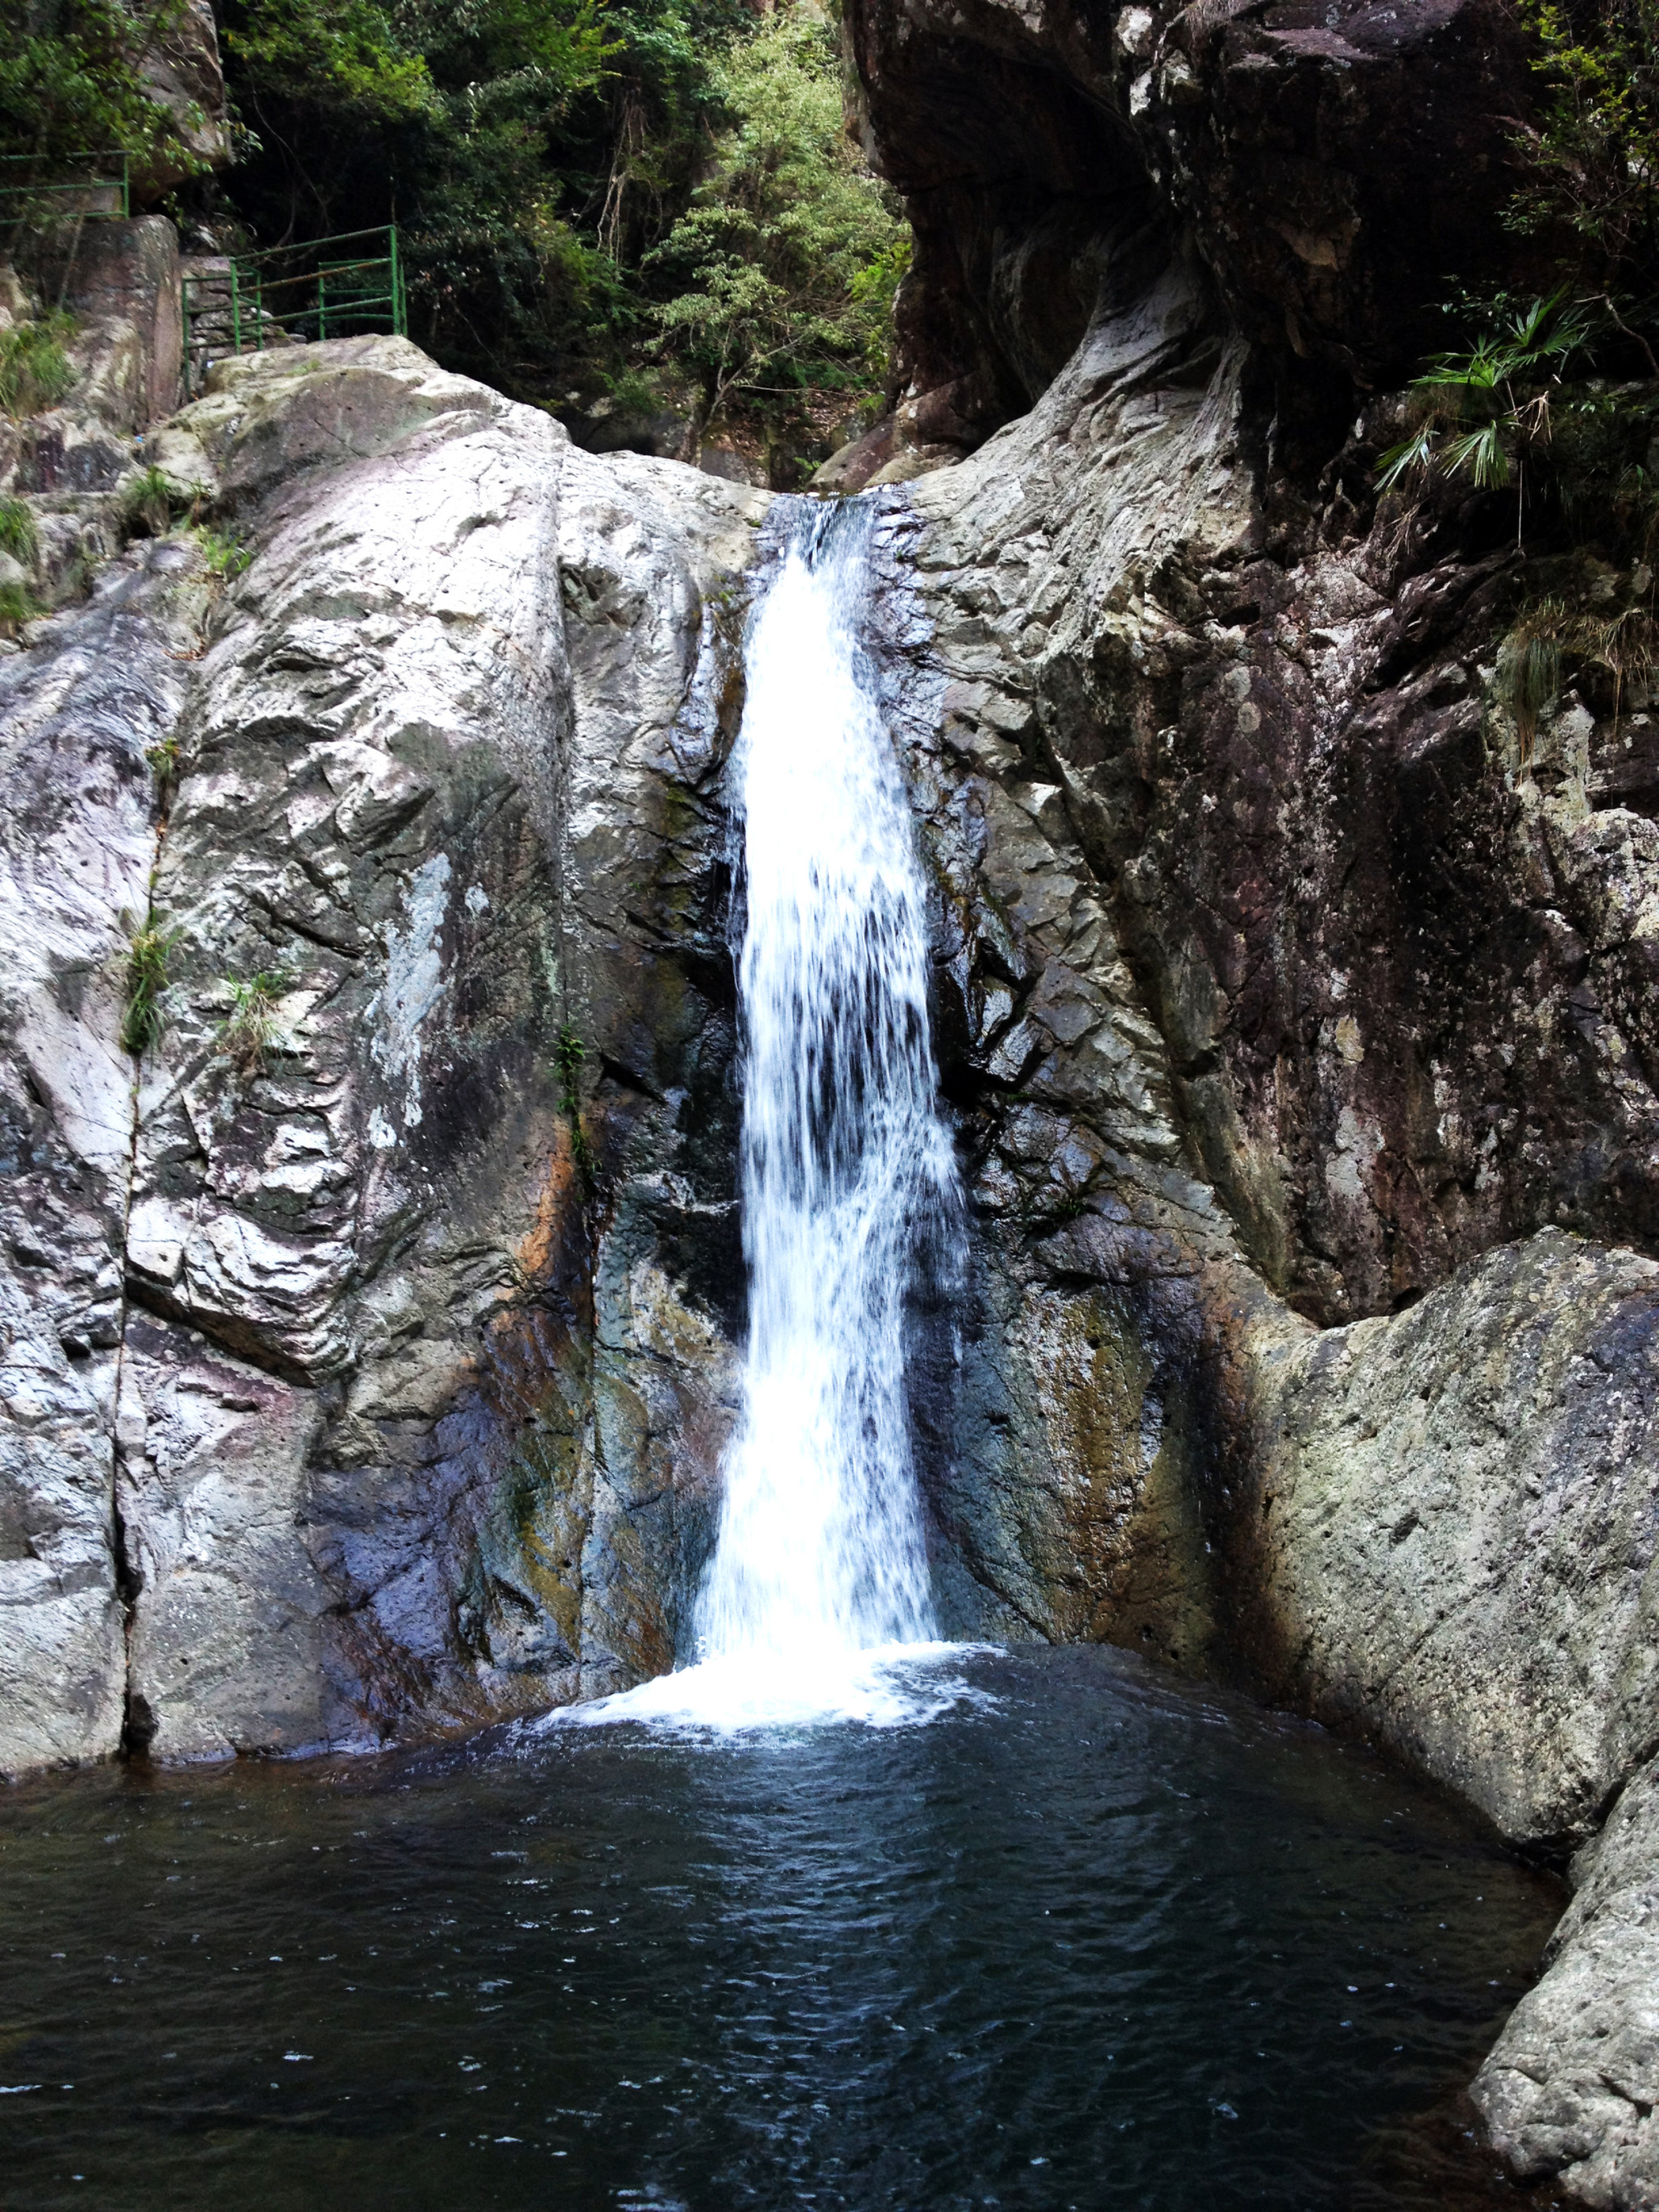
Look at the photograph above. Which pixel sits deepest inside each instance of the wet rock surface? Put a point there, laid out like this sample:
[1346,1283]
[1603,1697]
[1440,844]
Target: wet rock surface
[415,1238]
[1569,2091]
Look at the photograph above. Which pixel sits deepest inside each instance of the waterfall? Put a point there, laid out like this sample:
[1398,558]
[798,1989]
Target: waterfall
[819,1572]
[820,1546]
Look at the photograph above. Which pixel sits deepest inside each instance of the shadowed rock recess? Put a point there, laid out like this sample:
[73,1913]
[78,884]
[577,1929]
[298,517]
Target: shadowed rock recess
[368,1360]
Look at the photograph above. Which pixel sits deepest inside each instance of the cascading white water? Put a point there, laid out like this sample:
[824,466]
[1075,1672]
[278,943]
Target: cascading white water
[820,1547]
[819,1566]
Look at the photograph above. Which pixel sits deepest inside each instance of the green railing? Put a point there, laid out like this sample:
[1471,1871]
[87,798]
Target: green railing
[108,157]
[311,291]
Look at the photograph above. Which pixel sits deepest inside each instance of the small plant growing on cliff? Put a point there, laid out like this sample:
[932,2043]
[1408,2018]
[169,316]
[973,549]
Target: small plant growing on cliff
[18,606]
[18,535]
[251,1029]
[164,758]
[150,500]
[1533,659]
[1479,414]
[35,371]
[222,556]
[568,1054]
[1530,669]
[147,979]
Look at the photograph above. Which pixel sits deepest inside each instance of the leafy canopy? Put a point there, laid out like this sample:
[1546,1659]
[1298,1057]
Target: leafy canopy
[785,262]
[1592,150]
[72,82]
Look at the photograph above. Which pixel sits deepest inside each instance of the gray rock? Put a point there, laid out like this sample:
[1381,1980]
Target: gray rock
[77,711]
[1570,2089]
[411,1411]
[1451,1537]
[444,786]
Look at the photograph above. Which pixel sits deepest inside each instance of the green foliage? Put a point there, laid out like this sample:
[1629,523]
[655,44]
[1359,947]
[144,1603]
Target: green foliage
[35,371]
[540,157]
[18,535]
[253,1026]
[1593,153]
[568,1054]
[150,945]
[164,758]
[339,55]
[151,500]
[18,606]
[224,557]
[785,263]
[1478,411]
[451,118]
[71,82]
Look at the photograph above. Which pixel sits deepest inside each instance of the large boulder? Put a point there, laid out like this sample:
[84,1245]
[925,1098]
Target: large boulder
[1450,1536]
[422,1202]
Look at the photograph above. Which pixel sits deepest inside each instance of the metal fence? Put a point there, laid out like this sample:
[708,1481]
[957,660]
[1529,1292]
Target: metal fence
[313,291]
[115,183]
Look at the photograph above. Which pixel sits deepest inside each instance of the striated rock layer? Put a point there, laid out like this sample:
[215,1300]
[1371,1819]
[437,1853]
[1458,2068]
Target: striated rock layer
[355,1387]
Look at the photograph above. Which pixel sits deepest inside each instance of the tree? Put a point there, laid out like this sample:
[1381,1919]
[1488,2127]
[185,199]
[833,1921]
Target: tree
[1593,149]
[72,83]
[784,265]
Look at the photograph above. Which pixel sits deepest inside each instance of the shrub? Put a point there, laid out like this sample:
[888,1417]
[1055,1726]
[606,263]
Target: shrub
[18,535]
[1477,409]
[35,371]
[786,262]
[1592,152]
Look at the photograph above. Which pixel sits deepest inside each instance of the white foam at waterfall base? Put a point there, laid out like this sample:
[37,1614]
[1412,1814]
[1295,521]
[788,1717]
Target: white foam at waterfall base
[816,1604]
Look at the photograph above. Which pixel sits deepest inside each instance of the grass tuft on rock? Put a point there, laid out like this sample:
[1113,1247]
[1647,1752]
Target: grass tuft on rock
[147,979]
[249,1032]
[35,369]
[150,500]
[18,534]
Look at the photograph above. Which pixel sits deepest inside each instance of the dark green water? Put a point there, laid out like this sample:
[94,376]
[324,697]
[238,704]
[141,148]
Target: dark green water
[1109,1943]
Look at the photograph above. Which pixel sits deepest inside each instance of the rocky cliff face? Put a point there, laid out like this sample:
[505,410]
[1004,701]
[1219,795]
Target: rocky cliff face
[384,1321]
[372,1338]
